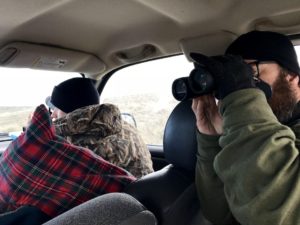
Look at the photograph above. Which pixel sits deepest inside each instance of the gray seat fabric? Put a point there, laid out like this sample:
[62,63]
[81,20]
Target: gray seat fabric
[170,193]
[108,209]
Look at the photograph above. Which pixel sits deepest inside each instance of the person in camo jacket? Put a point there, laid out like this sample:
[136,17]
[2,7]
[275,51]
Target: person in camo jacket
[79,118]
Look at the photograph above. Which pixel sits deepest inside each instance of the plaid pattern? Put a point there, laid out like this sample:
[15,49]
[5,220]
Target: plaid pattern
[42,169]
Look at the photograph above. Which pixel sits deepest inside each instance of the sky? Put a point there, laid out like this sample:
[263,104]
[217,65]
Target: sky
[25,87]
[19,87]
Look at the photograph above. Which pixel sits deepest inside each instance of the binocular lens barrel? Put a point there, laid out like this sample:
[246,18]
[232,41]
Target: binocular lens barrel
[180,88]
[199,82]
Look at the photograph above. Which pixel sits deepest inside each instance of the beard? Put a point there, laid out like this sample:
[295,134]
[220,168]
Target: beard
[283,100]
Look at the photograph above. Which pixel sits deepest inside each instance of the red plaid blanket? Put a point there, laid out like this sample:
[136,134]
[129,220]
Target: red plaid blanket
[42,169]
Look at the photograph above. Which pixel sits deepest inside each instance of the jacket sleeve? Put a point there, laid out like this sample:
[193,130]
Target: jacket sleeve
[209,187]
[259,162]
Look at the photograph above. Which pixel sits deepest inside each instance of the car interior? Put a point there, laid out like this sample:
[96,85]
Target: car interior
[97,38]
[174,199]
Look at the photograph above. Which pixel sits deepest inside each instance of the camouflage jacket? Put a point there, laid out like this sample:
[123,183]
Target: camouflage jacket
[101,129]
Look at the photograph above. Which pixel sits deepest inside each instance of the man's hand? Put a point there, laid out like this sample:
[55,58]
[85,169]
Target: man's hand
[208,119]
[230,73]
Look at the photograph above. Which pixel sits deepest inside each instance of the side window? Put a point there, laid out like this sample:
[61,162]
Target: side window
[21,91]
[144,91]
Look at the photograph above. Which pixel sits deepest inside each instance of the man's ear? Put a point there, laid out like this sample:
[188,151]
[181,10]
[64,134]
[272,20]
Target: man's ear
[293,78]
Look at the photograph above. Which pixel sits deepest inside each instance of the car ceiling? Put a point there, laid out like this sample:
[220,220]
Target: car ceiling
[118,32]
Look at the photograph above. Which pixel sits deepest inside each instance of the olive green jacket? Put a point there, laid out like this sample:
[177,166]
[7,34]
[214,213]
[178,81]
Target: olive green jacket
[252,171]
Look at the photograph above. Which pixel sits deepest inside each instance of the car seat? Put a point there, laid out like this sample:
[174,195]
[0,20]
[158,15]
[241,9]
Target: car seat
[108,209]
[170,193]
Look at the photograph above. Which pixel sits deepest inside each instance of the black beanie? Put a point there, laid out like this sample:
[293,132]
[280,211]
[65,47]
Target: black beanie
[266,46]
[74,93]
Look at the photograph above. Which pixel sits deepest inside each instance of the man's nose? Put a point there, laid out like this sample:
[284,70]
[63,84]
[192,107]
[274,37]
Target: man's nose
[53,115]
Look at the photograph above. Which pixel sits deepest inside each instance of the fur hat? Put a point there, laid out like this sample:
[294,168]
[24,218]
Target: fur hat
[73,94]
[266,46]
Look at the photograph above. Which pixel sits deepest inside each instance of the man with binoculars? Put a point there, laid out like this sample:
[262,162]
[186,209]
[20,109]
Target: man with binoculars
[248,166]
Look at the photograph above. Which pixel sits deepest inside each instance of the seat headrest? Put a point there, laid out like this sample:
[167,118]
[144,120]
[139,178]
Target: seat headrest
[180,144]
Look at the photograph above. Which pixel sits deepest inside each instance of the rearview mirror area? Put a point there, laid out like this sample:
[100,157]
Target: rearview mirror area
[129,118]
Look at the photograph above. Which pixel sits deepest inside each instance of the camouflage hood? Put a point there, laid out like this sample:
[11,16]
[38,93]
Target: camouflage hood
[101,129]
[100,120]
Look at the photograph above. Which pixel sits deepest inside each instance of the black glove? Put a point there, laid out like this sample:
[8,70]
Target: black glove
[230,73]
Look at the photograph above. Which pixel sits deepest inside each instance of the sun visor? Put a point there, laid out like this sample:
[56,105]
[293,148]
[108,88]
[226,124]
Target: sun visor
[212,44]
[43,57]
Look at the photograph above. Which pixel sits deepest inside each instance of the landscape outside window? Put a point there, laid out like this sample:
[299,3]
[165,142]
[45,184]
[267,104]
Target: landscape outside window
[21,91]
[142,90]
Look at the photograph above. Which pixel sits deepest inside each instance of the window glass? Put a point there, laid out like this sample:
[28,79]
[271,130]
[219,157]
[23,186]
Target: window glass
[144,91]
[21,91]
[298,51]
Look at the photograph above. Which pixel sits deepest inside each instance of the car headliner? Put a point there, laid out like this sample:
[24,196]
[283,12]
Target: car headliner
[119,32]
